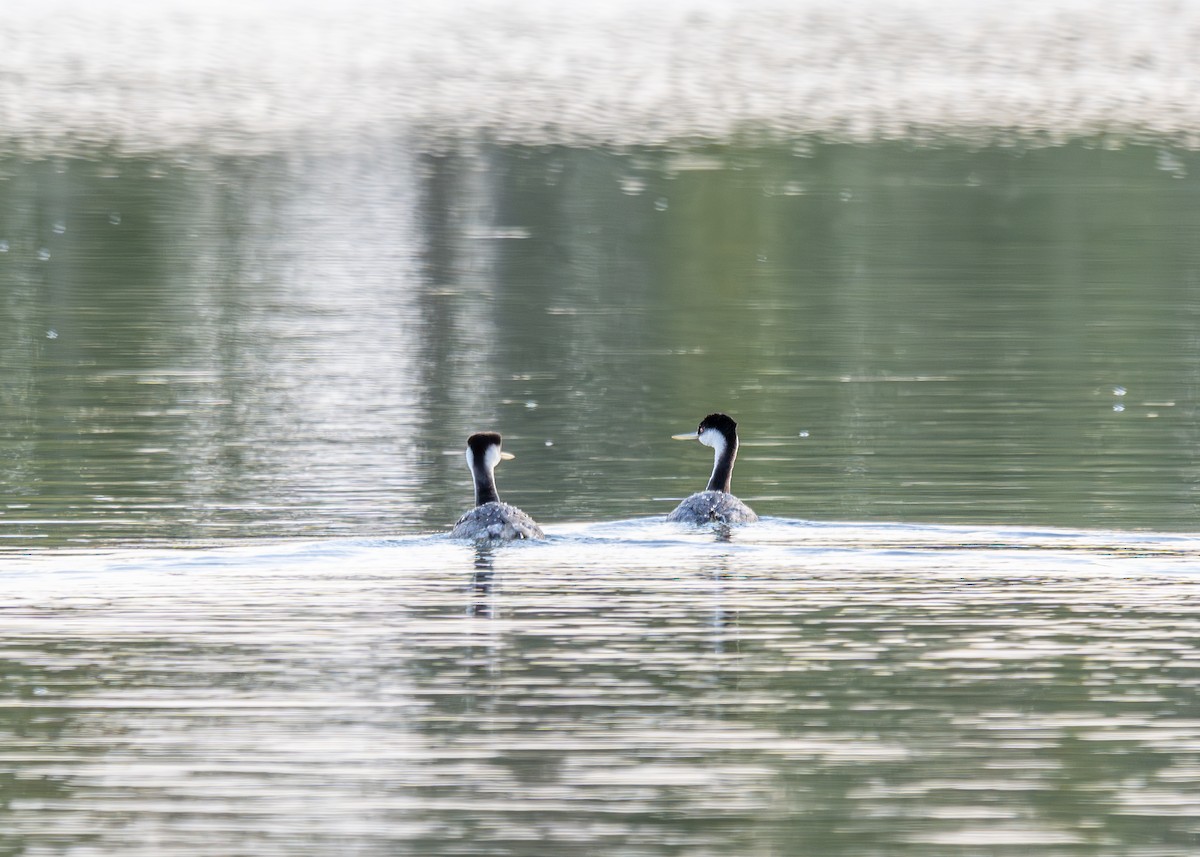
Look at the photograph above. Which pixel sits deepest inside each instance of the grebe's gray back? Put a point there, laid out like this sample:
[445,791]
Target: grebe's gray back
[491,519]
[715,503]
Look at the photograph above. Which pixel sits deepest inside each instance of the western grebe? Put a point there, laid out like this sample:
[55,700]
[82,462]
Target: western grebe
[715,503]
[491,519]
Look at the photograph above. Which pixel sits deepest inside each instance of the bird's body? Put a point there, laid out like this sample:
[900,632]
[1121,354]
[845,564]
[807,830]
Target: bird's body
[496,521]
[718,507]
[715,504]
[491,519]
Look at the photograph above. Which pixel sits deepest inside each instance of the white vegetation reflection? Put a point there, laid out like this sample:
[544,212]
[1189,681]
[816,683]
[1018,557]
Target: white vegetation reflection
[305,311]
[246,76]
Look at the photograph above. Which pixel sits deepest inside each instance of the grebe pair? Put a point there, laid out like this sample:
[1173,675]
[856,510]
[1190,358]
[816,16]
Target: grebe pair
[492,519]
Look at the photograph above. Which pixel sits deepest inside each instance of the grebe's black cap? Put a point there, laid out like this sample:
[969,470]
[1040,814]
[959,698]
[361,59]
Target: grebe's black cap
[480,441]
[721,422]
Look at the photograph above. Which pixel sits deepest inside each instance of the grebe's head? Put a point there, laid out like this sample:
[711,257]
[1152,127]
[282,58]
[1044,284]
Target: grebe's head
[715,430]
[483,451]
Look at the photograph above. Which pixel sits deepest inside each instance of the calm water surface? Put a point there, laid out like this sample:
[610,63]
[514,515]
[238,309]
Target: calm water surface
[266,347]
[234,391]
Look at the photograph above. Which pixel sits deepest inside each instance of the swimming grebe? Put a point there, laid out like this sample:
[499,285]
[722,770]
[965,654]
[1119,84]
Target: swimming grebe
[715,503]
[491,519]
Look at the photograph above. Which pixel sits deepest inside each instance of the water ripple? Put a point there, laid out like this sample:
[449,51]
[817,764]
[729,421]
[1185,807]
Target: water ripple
[629,685]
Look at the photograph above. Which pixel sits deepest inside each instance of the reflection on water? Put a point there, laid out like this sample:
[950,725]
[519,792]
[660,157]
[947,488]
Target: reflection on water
[628,688]
[266,347]
[236,76]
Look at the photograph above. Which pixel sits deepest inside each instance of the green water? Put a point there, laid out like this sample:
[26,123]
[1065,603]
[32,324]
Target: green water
[966,382]
[215,348]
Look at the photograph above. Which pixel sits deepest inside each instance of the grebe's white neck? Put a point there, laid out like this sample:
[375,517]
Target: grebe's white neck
[710,437]
[483,454]
[718,432]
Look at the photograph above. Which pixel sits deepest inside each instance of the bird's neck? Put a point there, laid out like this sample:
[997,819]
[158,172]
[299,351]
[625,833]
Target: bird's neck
[485,486]
[723,455]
